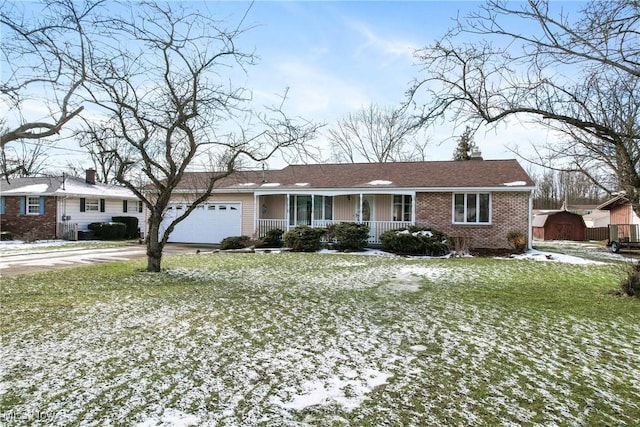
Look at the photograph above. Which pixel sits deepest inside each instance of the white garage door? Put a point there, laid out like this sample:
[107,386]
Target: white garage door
[208,223]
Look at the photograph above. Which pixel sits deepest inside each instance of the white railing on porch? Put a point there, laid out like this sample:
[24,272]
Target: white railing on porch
[376,228]
[264,225]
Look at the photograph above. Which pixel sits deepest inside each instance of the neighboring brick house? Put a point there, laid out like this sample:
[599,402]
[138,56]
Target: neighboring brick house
[58,207]
[478,201]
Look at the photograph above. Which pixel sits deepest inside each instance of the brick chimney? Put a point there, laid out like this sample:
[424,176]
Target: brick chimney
[476,154]
[90,176]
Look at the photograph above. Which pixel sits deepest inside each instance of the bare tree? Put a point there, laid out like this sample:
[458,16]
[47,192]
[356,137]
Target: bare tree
[553,188]
[169,101]
[23,159]
[43,52]
[105,147]
[575,74]
[375,135]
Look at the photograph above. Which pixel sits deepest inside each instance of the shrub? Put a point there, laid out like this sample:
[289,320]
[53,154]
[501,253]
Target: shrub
[273,238]
[351,236]
[304,238]
[108,230]
[234,242]
[631,283]
[415,241]
[517,240]
[131,222]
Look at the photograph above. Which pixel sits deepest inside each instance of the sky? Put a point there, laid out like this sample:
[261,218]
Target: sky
[335,57]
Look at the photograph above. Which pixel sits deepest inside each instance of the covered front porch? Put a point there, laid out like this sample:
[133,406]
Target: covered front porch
[381,211]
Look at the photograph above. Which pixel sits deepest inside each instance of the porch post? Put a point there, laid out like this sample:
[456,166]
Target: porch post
[530,219]
[360,209]
[313,209]
[286,213]
[256,214]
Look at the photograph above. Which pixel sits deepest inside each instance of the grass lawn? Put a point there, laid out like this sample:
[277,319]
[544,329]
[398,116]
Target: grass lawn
[318,339]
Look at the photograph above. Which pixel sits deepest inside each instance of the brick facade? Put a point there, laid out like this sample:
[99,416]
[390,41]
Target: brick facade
[509,211]
[29,227]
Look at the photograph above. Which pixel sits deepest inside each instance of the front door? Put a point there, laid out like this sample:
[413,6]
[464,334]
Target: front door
[368,208]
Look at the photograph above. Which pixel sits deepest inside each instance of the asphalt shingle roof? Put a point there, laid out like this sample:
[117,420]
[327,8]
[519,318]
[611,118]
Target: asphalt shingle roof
[442,174]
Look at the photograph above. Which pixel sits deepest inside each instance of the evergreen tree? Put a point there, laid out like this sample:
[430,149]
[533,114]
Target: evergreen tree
[465,145]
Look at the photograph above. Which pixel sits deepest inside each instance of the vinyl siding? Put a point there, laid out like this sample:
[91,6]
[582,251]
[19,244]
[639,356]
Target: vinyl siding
[247,208]
[112,207]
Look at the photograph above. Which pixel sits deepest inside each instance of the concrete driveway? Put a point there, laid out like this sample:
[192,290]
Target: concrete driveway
[44,259]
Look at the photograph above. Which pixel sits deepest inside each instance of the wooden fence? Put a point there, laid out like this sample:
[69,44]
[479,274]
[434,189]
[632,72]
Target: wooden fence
[597,233]
[67,231]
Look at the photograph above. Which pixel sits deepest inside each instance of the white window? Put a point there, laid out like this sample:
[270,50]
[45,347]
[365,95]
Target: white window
[300,210]
[33,205]
[402,207]
[322,207]
[472,208]
[92,205]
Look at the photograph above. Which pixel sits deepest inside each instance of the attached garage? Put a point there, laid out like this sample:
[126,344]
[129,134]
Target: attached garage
[208,223]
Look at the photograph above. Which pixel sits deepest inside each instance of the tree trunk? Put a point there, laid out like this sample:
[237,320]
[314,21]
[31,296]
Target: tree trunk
[154,245]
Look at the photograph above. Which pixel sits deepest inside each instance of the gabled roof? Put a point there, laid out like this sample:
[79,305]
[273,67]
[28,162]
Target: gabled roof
[57,186]
[620,199]
[507,174]
[540,220]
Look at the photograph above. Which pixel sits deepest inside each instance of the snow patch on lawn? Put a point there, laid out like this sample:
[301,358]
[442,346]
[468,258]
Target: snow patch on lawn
[171,418]
[535,255]
[348,393]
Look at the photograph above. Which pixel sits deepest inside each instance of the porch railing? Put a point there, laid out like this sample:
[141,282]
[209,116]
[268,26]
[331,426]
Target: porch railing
[376,228]
[264,225]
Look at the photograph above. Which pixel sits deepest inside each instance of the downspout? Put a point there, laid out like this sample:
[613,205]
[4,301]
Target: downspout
[413,207]
[530,231]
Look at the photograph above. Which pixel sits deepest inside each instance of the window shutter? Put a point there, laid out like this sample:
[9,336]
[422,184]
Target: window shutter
[101,205]
[82,204]
[124,206]
[41,205]
[2,205]
[23,205]
[140,206]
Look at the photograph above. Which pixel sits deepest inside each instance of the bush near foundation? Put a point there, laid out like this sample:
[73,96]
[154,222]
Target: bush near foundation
[273,238]
[131,222]
[415,240]
[351,236]
[108,230]
[234,242]
[517,240]
[304,238]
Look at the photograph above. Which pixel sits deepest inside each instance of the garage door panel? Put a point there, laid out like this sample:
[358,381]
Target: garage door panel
[207,223]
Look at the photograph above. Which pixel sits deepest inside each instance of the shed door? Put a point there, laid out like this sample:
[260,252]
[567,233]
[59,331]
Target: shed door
[208,223]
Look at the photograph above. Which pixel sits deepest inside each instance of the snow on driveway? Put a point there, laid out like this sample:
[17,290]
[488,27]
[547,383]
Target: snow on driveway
[64,257]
